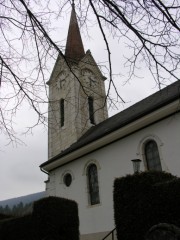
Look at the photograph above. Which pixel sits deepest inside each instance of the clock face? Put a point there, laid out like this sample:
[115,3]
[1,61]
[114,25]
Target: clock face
[89,77]
[61,80]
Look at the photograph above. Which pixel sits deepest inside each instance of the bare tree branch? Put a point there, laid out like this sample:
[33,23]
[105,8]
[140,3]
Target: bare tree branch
[150,29]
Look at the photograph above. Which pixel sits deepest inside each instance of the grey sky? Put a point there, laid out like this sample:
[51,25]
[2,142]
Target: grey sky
[19,165]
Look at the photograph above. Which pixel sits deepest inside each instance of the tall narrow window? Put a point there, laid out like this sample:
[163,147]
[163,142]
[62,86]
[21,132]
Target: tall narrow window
[93,185]
[152,156]
[62,112]
[91,109]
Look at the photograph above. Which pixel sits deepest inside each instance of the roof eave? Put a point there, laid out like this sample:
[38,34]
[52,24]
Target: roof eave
[115,135]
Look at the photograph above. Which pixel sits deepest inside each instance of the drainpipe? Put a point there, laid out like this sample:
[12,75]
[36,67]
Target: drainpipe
[42,170]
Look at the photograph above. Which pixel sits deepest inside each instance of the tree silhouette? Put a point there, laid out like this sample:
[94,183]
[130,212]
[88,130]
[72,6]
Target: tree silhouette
[150,28]
[19,209]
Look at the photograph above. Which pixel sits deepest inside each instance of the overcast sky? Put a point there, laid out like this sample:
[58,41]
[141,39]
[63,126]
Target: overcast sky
[19,165]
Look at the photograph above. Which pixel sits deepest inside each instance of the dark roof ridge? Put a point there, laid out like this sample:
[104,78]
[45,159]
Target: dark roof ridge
[149,98]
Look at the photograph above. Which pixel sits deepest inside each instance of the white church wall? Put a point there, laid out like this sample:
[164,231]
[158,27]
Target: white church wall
[114,160]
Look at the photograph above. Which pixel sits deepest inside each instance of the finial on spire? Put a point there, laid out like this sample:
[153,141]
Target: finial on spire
[74,46]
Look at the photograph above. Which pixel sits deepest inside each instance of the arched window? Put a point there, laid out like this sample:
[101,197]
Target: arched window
[152,156]
[93,185]
[62,112]
[91,109]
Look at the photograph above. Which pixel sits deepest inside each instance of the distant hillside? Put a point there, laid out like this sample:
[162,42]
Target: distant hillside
[24,199]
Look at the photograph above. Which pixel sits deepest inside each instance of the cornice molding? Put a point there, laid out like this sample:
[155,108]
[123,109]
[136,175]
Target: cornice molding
[118,134]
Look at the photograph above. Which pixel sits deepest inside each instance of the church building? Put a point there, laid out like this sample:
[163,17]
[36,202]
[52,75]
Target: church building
[87,150]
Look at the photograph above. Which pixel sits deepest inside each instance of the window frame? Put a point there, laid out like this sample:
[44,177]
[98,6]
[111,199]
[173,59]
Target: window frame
[91,109]
[140,150]
[156,165]
[62,112]
[93,196]
[67,179]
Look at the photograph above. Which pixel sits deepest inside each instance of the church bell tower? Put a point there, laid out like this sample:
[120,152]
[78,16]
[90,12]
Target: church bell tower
[77,98]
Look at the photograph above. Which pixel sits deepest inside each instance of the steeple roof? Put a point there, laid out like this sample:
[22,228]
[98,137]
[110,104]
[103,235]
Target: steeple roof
[74,46]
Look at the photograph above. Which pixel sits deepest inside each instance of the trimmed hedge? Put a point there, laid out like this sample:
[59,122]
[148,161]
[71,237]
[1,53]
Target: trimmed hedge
[143,200]
[4,216]
[163,231]
[18,228]
[56,218]
[52,218]
[168,194]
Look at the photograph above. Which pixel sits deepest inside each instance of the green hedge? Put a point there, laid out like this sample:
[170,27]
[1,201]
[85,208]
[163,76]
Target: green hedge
[52,218]
[56,218]
[4,216]
[163,231]
[17,229]
[143,200]
[168,194]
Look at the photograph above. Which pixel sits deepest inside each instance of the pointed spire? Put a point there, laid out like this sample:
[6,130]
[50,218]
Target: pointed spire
[74,46]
